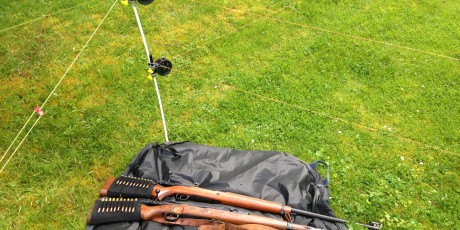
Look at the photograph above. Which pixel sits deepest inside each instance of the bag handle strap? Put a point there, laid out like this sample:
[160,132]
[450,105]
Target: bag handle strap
[170,146]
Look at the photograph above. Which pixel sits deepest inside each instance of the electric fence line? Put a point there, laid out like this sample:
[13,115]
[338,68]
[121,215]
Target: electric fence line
[51,93]
[318,113]
[245,91]
[45,16]
[337,33]
[404,139]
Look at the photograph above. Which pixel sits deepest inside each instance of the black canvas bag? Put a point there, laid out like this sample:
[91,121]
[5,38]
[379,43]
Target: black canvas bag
[268,175]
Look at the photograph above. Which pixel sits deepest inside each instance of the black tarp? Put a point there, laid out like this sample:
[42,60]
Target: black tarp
[268,175]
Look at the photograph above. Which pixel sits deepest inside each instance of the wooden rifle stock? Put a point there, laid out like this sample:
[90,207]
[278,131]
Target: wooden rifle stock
[142,188]
[115,210]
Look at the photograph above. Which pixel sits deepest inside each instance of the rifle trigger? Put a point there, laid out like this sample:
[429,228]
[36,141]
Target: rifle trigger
[182,197]
[171,217]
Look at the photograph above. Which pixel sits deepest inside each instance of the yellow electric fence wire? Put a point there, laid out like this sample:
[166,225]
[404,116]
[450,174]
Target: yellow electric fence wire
[321,114]
[226,34]
[45,16]
[52,92]
[337,33]
[404,139]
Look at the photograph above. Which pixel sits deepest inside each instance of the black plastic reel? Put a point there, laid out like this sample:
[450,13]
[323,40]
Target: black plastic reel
[162,67]
[145,2]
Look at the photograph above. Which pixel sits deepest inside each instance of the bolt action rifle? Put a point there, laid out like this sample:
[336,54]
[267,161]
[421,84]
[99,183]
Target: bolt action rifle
[108,210]
[133,187]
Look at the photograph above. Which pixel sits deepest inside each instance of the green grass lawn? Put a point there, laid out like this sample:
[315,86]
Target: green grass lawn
[371,87]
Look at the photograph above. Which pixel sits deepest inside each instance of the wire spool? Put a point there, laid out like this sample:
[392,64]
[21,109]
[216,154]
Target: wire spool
[163,66]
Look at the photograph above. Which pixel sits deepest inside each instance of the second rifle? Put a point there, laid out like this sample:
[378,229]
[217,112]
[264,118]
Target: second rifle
[109,210]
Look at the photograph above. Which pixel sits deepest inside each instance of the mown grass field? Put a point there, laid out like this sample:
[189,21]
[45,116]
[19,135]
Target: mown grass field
[371,87]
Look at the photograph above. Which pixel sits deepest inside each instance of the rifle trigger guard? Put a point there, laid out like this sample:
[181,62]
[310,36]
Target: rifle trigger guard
[171,217]
[182,197]
[288,217]
[216,222]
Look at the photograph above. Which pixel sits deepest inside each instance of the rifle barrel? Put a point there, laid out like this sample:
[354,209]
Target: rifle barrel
[330,218]
[319,216]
